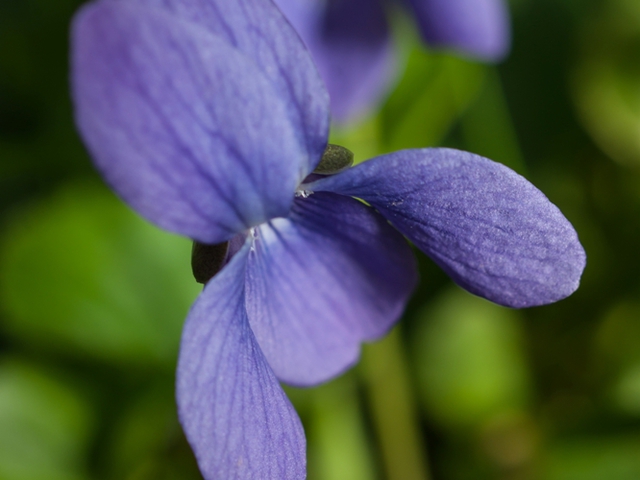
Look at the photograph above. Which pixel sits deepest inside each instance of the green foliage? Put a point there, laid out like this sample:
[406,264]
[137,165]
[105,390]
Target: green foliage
[338,442]
[606,79]
[80,272]
[44,425]
[469,360]
[596,458]
[433,92]
[92,298]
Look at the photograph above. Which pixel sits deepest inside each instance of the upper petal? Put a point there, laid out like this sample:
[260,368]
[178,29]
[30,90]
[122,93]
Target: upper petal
[490,229]
[183,126]
[259,31]
[236,417]
[351,45]
[332,275]
[479,28]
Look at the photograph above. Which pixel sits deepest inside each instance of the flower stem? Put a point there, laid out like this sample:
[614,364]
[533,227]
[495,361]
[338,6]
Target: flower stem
[339,447]
[394,410]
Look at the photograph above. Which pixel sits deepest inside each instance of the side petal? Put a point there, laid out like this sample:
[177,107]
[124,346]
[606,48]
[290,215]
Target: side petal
[235,415]
[491,230]
[479,28]
[182,125]
[259,30]
[332,275]
[351,45]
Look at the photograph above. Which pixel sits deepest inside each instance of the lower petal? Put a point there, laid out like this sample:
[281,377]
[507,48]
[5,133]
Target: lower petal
[236,416]
[490,229]
[319,283]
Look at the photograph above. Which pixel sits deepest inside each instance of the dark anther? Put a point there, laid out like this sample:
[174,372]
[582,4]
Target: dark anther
[207,260]
[334,159]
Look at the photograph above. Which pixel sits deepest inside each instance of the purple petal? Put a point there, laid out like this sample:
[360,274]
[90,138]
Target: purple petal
[236,417]
[183,126]
[259,31]
[320,282]
[351,45]
[492,231]
[479,28]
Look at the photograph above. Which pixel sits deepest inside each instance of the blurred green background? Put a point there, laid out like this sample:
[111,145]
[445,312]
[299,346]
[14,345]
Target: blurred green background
[92,298]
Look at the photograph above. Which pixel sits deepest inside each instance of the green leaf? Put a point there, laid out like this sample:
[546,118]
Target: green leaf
[81,273]
[468,359]
[432,94]
[605,81]
[147,441]
[610,458]
[44,425]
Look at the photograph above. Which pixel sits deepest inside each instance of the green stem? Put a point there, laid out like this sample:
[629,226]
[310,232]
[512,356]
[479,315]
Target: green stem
[338,442]
[395,415]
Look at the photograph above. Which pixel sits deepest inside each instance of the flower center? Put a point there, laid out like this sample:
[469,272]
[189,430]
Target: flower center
[303,193]
[207,260]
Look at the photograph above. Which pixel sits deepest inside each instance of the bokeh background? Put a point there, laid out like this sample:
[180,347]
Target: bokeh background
[92,298]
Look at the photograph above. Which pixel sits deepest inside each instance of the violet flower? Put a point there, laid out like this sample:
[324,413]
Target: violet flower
[352,47]
[207,116]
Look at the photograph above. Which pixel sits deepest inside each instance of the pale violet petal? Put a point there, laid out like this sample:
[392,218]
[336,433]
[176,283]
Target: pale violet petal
[332,275]
[351,45]
[479,28]
[183,126]
[258,29]
[235,415]
[490,229]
